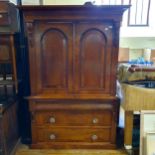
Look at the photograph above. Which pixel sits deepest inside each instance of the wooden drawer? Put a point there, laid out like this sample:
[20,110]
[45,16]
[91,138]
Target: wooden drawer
[4,19]
[74,117]
[72,134]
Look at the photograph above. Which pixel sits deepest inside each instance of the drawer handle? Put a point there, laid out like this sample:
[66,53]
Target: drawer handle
[52,137]
[94,137]
[95,120]
[1,16]
[52,120]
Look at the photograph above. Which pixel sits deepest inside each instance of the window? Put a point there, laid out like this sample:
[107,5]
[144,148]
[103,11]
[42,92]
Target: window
[139,13]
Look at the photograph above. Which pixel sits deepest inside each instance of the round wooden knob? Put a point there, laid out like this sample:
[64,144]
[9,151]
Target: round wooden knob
[52,120]
[52,137]
[95,120]
[1,16]
[94,137]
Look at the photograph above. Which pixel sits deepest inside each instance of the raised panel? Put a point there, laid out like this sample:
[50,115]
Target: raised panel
[94,57]
[54,50]
[53,57]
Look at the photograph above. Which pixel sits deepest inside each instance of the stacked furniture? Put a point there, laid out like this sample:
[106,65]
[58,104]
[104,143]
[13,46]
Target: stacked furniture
[73,53]
[8,79]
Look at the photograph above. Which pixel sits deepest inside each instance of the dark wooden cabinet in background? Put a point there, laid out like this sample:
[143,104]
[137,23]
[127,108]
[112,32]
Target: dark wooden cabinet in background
[9,133]
[73,53]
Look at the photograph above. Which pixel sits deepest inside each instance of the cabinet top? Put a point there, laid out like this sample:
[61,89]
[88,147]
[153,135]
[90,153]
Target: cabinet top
[73,12]
[104,8]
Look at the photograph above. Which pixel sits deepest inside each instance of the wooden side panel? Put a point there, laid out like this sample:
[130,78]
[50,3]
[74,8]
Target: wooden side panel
[94,60]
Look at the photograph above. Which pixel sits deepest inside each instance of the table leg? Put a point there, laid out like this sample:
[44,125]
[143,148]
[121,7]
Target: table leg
[128,129]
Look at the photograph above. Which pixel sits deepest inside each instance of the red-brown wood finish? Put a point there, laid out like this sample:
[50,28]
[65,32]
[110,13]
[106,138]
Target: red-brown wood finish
[73,53]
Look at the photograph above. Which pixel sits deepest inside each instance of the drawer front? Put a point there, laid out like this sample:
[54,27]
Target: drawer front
[74,117]
[4,19]
[73,134]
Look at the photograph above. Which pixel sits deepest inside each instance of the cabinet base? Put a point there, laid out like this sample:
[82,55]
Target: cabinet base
[73,145]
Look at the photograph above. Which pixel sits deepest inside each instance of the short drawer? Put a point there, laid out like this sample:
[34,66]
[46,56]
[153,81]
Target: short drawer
[73,134]
[74,117]
[4,19]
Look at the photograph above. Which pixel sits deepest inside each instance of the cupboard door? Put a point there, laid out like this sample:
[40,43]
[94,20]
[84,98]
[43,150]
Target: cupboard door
[93,54]
[54,57]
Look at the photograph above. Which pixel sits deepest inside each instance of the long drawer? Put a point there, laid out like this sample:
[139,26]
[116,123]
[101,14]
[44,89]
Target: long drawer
[74,117]
[73,134]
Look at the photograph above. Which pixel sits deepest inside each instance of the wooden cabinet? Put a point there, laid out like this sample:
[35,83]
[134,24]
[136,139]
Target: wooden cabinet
[73,53]
[9,135]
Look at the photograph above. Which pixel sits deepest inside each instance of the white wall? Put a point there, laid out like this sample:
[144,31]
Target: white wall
[64,2]
[137,42]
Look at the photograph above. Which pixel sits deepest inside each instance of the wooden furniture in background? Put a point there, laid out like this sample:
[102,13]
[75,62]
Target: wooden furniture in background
[9,135]
[8,17]
[8,126]
[8,88]
[73,53]
[123,55]
[153,55]
[135,100]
